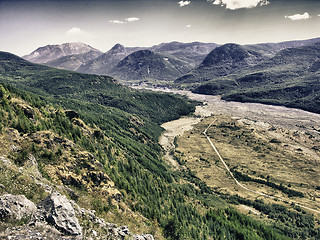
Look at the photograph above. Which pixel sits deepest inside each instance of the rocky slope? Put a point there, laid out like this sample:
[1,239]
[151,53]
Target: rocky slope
[41,170]
[74,61]
[52,52]
[56,217]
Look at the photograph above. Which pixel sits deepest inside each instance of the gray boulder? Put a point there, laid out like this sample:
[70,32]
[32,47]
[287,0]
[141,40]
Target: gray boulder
[16,207]
[59,212]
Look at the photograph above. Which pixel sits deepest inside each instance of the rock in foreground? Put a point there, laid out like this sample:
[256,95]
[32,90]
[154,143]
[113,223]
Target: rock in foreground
[59,212]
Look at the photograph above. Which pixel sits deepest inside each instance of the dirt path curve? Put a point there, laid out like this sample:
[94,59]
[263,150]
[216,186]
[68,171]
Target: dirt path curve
[238,183]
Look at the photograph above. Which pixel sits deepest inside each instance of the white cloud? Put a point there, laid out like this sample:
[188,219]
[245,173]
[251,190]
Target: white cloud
[184,3]
[299,16]
[116,21]
[132,19]
[188,26]
[75,31]
[129,19]
[236,4]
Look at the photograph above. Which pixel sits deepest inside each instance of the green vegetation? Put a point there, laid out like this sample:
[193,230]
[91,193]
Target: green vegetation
[118,127]
[294,224]
[244,177]
[290,78]
[149,186]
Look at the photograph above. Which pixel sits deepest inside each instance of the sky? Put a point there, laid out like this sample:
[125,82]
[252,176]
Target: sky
[29,24]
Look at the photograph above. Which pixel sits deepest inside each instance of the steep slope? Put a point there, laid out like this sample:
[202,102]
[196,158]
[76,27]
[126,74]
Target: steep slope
[222,61]
[104,63]
[145,65]
[51,52]
[74,61]
[89,88]
[290,78]
[45,152]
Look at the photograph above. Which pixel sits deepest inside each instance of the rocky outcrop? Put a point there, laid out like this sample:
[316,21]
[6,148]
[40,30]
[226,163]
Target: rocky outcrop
[59,212]
[57,218]
[16,207]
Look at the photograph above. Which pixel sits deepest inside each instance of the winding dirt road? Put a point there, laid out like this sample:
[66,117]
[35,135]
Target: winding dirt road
[239,184]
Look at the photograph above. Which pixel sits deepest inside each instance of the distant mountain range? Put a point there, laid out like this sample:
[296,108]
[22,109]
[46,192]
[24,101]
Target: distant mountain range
[182,57]
[285,73]
[187,63]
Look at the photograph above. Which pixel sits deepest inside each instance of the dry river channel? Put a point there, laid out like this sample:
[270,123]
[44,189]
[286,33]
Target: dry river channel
[253,113]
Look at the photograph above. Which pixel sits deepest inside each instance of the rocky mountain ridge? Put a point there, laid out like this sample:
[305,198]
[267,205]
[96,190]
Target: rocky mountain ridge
[94,62]
[52,52]
[73,62]
[105,62]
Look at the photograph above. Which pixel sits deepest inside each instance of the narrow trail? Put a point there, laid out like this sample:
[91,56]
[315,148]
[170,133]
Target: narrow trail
[242,186]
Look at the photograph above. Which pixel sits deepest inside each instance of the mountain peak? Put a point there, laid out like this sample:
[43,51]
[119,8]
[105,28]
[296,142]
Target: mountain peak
[117,46]
[228,52]
[144,65]
[51,52]
[145,52]
[117,49]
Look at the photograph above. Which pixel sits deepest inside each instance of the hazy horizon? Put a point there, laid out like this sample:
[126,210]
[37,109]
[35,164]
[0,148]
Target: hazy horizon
[27,25]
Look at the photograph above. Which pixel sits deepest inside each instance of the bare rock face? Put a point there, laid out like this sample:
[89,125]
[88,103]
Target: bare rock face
[16,207]
[59,212]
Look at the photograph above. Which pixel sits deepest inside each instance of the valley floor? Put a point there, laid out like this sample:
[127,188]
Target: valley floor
[262,141]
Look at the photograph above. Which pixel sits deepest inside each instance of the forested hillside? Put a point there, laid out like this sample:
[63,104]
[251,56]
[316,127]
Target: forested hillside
[290,78]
